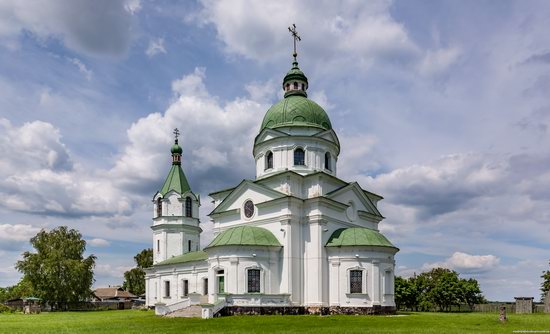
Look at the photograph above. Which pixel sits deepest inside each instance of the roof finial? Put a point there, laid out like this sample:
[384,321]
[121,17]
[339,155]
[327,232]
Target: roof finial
[296,37]
[176,133]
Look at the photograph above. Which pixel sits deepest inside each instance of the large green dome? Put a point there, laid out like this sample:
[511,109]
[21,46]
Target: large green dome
[296,110]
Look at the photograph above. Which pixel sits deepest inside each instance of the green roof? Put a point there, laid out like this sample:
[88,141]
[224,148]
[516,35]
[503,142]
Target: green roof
[245,236]
[176,181]
[296,110]
[358,236]
[187,257]
[176,149]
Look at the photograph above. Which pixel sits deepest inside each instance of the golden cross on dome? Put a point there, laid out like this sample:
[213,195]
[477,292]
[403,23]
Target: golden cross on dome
[176,133]
[296,37]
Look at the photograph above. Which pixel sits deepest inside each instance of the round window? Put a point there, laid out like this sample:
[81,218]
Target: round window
[248,209]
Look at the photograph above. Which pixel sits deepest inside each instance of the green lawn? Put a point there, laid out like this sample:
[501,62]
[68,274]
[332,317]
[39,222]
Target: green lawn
[121,322]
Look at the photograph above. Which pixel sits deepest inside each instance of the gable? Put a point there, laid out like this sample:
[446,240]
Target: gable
[329,135]
[353,193]
[268,134]
[247,190]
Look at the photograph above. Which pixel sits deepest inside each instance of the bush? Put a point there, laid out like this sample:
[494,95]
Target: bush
[5,309]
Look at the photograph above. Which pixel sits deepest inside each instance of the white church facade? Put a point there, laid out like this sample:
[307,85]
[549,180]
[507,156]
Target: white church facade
[296,239]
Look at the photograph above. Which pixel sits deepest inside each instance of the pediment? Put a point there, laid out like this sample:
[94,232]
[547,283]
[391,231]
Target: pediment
[354,193]
[244,191]
[268,134]
[329,135]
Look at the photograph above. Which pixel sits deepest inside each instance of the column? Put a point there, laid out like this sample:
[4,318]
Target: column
[375,282]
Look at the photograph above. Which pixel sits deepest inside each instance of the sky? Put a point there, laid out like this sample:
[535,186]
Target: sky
[442,107]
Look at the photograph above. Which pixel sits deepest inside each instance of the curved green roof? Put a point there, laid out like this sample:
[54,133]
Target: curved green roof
[176,181]
[296,110]
[358,236]
[245,236]
[187,257]
[176,149]
[294,74]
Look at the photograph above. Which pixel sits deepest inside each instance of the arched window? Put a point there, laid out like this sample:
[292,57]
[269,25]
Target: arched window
[299,157]
[327,161]
[287,86]
[188,245]
[303,86]
[159,207]
[188,207]
[269,160]
[295,85]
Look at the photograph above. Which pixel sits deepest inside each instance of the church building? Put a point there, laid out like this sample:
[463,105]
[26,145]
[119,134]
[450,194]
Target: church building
[296,239]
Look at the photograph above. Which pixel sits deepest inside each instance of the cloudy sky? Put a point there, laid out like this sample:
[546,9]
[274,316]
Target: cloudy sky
[442,107]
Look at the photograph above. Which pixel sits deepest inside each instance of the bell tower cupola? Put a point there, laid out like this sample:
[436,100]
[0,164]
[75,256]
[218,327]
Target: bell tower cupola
[176,222]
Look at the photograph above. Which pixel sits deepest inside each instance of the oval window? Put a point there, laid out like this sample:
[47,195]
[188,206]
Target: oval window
[248,209]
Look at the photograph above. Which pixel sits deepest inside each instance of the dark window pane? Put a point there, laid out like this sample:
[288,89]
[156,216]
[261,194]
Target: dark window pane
[159,208]
[253,280]
[167,288]
[327,161]
[299,157]
[185,288]
[269,160]
[356,281]
[188,207]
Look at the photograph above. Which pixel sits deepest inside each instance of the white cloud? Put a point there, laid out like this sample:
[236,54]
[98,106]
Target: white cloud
[15,236]
[438,61]
[38,176]
[330,28]
[133,6]
[155,47]
[82,68]
[98,242]
[214,135]
[466,263]
[104,29]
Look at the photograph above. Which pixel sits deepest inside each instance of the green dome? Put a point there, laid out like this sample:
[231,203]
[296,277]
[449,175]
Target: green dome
[296,110]
[358,236]
[245,236]
[176,149]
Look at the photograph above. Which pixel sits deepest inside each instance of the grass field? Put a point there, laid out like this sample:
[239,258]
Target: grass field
[121,322]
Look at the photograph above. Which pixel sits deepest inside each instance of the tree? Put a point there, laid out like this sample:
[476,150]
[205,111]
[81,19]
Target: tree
[406,293]
[440,287]
[470,293]
[134,279]
[545,285]
[58,271]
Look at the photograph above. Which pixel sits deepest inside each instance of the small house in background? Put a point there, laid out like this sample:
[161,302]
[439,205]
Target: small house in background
[524,304]
[112,293]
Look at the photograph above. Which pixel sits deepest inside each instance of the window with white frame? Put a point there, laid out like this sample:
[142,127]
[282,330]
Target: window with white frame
[253,280]
[269,160]
[356,281]
[299,157]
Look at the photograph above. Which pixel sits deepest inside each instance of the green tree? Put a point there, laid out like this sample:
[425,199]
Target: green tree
[58,271]
[545,285]
[441,288]
[470,293]
[134,279]
[406,293]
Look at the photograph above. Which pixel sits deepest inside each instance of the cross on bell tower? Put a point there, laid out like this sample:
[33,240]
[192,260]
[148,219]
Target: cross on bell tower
[176,133]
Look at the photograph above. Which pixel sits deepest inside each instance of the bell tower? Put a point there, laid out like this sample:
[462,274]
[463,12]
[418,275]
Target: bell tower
[176,229]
